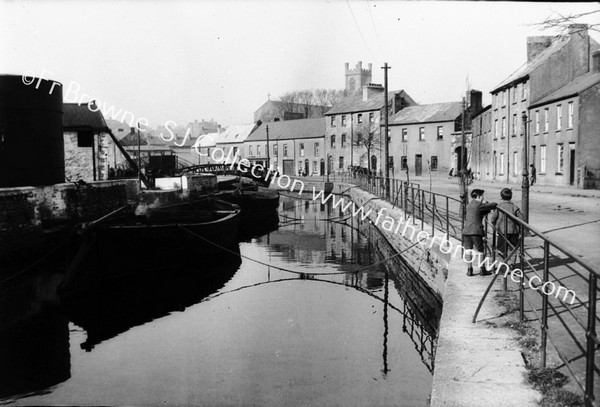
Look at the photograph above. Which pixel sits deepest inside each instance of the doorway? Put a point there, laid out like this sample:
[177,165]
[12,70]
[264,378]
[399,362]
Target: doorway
[323,166]
[288,167]
[571,163]
[306,173]
[418,164]
[374,165]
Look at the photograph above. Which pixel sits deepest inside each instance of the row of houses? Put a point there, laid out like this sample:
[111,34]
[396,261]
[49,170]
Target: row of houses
[553,99]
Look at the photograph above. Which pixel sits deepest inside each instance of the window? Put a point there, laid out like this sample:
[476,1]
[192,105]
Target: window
[358,138]
[300,170]
[332,121]
[501,163]
[250,153]
[546,120]
[314,167]
[275,149]
[496,129]
[514,125]
[257,151]
[235,151]
[421,133]
[359,118]
[560,149]
[371,117]
[343,140]
[343,120]
[542,159]
[333,141]
[404,135]
[316,149]
[503,127]
[85,138]
[404,162]
[558,116]
[514,95]
[440,133]
[503,98]
[570,124]
[301,149]
[537,122]
[341,167]
[434,163]
[285,150]
[515,163]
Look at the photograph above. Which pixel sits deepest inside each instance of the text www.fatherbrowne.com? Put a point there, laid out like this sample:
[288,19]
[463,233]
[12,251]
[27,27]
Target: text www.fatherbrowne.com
[423,238]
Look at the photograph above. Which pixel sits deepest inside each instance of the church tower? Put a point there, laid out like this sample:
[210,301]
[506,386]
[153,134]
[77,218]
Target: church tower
[358,77]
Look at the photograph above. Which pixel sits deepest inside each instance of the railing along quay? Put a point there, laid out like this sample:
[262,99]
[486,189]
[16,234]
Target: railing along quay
[568,323]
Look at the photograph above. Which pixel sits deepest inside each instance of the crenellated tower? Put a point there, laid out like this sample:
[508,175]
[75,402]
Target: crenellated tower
[358,77]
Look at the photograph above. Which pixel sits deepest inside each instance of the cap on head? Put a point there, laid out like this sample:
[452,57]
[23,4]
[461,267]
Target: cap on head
[506,194]
[476,193]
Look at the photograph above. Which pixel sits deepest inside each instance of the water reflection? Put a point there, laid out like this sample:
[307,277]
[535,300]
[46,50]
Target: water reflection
[323,293]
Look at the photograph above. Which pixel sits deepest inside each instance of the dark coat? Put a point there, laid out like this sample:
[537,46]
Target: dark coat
[474,217]
[498,218]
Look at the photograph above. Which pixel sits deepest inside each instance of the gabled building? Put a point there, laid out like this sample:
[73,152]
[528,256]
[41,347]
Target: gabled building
[552,63]
[421,138]
[88,147]
[357,118]
[277,110]
[292,147]
[231,141]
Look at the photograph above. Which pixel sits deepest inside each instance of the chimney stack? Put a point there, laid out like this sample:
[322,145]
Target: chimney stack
[537,44]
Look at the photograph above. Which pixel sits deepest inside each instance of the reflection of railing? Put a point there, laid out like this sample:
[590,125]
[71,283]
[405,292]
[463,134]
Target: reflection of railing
[568,312]
[437,210]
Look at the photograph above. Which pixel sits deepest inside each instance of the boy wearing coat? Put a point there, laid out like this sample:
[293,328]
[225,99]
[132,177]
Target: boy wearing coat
[473,232]
[508,231]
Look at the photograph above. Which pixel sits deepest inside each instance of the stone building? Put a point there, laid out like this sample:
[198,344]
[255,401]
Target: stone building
[358,77]
[276,110]
[294,147]
[421,139]
[353,128]
[88,147]
[552,63]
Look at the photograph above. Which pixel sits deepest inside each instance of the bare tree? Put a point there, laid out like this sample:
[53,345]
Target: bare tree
[288,103]
[563,23]
[305,100]
[367,136]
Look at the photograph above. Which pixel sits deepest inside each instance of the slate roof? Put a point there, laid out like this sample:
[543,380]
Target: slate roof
[573,88]
[436,112]
[236,133]
[80,117]
[289,129]
[540,59]
[207,140]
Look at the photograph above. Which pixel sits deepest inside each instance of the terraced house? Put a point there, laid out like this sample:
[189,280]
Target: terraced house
[353,132]
[293,147]
[564,143]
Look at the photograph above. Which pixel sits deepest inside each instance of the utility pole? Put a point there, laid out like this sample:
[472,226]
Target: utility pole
[525,184]
[139,159]
[386,144]
[268,157]
[464,189]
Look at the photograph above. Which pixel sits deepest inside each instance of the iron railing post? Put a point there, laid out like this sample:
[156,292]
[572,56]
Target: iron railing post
[521,280]
[432,196]
[422,205]
[412,194]
[545,303]
[448,216]
[591,342]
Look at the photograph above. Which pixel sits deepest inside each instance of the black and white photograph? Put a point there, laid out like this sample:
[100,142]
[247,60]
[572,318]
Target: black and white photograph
[357,203]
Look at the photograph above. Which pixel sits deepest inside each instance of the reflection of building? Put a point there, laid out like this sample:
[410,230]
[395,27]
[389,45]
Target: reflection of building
[295,146]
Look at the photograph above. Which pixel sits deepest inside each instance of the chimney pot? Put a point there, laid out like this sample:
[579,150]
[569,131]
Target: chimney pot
[578,28]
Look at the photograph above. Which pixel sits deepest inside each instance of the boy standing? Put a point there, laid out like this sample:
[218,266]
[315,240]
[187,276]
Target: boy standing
[473,232]
[508,231]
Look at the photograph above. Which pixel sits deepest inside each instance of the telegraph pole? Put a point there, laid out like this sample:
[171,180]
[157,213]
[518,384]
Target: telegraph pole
[464,189]
[525,184]
[139,159]
[386,143]
[268,157]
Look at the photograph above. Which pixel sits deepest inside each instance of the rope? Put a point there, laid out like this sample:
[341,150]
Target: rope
[294,271]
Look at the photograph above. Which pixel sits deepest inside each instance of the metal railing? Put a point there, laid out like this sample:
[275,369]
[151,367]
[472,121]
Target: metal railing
[425,207]
[569,326]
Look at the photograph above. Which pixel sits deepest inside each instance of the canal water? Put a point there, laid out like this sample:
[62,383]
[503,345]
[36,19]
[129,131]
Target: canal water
[313,313]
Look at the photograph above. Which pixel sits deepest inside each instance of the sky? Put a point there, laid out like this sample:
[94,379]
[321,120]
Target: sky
[184,60]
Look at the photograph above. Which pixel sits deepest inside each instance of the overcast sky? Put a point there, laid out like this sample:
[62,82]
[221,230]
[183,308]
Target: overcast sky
[184,60]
